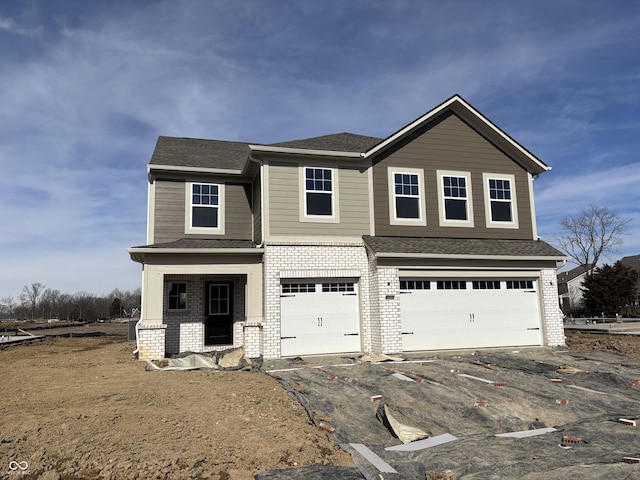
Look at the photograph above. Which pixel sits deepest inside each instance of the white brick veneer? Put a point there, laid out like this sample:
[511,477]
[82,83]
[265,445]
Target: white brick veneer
[551,313]
[151,341]
[380,324]
[335,260]
[185,328]
[389,301]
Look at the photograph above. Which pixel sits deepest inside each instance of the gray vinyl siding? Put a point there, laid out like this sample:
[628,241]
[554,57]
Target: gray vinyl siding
[451,145]
[285,202]
[170,211]
[257,210]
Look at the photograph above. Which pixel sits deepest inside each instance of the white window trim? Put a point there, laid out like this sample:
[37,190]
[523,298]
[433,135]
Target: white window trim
[188,228]
[335,216]
[444,222]
[393,219]
[487,200]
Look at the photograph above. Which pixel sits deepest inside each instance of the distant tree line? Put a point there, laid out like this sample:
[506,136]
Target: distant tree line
[38,302]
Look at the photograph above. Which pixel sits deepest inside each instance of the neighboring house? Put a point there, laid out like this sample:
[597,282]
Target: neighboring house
[570,289]
[422,240]
[633,262]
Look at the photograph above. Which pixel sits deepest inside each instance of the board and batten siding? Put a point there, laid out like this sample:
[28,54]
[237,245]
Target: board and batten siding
[170,211]
[451,145]
[284,192]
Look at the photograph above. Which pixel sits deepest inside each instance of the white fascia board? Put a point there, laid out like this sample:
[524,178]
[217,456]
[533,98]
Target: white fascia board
[304,151]
[196,250]
[176,168]
[432,113]
[463,256]
[502,134]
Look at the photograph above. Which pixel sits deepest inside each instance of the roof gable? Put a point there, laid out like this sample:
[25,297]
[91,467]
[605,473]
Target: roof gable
[574,273]
[474,119]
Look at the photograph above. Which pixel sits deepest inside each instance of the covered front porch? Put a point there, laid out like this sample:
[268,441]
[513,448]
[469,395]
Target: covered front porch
[200,301]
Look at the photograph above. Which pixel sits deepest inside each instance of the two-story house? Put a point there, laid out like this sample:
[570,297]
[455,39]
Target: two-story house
[570,289]
[422,240]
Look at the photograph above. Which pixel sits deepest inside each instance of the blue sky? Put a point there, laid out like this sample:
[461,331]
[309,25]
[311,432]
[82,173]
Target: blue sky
[87,86]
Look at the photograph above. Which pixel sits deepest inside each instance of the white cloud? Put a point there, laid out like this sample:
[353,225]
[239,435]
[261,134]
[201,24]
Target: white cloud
[9,25]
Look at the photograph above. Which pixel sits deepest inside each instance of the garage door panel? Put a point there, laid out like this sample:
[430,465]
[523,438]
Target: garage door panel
[449,314]
[321,317]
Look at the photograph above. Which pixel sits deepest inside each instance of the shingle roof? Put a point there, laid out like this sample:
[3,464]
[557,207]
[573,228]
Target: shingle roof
[632,261]
[565,277]
[186,243]
[193,152]
[461,246]
[337,142]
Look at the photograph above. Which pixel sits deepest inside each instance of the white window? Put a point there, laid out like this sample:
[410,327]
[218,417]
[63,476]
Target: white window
[339,287]
[319,195]
[500,201]
[454,197]
[415,285]
[519,284]
[298,287]
[205,208]
[177,296]
[406,197]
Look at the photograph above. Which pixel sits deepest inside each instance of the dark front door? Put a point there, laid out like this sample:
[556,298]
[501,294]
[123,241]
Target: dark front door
[218,314]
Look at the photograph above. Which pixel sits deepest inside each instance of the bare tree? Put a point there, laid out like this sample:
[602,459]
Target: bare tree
[593,232]
[7,305]
[50,303]
[30,296]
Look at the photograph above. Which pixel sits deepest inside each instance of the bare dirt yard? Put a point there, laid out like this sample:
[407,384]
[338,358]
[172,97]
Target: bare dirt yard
[627,345]
[84,408]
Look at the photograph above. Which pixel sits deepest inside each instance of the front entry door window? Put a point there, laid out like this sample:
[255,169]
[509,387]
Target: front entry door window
[218,328]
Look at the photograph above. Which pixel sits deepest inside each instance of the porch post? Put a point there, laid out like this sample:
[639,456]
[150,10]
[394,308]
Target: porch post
[151,332]
[254,300]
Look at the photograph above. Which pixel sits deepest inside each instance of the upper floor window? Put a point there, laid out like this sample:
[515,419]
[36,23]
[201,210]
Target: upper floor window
[319,195]
[318,186]
[406,197]
[455,199]
[205,202]
[500,201]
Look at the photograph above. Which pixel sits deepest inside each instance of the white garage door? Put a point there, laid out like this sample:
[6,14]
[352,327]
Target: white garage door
[319,316]
[454,313]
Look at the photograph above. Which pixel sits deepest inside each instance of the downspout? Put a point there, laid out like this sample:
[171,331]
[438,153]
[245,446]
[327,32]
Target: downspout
[139,322]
